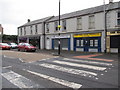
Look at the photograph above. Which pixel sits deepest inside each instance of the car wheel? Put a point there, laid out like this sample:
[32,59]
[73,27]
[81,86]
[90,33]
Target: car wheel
[18,49]
[25,50]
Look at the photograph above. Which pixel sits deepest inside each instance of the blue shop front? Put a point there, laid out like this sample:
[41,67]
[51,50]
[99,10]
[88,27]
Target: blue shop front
[88,42]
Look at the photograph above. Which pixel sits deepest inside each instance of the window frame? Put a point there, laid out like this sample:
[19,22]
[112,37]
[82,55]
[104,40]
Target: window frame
[64,24]
[47,27]
[92,22]
[36,29]
[56,25]
[79,23]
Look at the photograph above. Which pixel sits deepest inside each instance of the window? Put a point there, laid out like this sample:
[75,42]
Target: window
[47,27]
[31,29]
[78,43]
[64,24]
[21,31]
[118,18]
[56,26]
[24,30]
[92,22]
[91,43]
[79,23]
[36,29]
[96,43]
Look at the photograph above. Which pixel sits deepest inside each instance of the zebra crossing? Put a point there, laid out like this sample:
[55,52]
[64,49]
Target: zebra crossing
[83,68]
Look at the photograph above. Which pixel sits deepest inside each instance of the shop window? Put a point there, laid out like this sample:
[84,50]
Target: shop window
[96,43]
[91,43]
[81,43]
[64,43]
[92,22]
[79,23]
[78,43]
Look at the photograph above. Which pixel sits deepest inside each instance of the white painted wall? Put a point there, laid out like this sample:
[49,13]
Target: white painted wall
[71,24]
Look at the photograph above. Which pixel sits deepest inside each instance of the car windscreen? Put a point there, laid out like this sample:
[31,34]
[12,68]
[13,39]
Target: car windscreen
[5,44]
[27,44]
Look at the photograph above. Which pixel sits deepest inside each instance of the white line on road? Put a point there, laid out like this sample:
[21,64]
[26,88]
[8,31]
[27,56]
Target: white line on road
[21,60]
[18,80]
[57,80]
[90,62]
[7,67]
[68,70]
[81,65]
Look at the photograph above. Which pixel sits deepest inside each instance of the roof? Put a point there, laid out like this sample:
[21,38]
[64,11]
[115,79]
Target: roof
[92,10]
[37,21]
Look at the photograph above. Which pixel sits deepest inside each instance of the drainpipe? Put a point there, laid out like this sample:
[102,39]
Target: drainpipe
[44,36]
[105,24]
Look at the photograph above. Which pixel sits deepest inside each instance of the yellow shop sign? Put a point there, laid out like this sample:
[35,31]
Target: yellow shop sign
[87,35]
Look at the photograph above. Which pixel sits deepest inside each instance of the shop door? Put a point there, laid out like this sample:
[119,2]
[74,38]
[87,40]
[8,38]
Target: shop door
[86,44]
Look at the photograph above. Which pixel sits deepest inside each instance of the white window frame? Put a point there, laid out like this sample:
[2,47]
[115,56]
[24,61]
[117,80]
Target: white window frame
[92,22]
[79,23]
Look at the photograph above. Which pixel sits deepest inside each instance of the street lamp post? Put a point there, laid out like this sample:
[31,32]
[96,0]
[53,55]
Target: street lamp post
[105,31]
[59,31]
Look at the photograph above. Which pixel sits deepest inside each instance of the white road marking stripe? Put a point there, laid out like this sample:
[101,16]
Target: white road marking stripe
[57,80]
[7,67]
[68,70]
[16,79]
[21,60]
[90,62]
[81,65]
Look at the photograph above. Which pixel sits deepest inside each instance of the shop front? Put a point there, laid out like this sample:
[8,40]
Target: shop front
[35,41]
[113,42]
[64,42]
[90,42]
[23,39]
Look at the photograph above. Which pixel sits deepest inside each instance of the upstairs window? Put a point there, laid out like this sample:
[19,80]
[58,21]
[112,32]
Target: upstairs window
[21,31]
[118,18]
[47,27]
[36,29]
[64,24]
[24,30]
[79,23]
[56,26]
[92,22]
[31,29]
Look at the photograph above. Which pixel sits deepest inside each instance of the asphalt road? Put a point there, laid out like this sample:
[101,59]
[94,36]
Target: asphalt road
[58,72]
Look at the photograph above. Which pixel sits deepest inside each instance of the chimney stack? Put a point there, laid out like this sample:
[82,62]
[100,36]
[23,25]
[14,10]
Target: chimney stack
[110,1]
[28,20]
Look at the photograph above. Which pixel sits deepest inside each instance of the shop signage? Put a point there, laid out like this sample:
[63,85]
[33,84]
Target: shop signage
[87,35]
[67,36]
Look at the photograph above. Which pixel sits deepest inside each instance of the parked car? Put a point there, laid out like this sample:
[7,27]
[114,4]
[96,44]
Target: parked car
[13,45]
[26,47]
[5,46]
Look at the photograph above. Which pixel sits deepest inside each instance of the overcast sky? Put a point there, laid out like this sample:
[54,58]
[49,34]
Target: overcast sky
[14,13]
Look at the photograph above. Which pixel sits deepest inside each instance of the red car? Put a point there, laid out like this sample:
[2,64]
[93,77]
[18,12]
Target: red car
[26,47]
[5,46]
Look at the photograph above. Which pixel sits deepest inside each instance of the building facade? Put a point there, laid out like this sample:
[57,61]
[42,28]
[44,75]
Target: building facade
[33,32]
[1,32]
[85,30]
[89,30]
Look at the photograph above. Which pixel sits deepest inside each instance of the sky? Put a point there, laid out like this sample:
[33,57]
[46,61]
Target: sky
[14,13]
